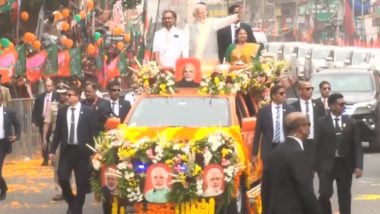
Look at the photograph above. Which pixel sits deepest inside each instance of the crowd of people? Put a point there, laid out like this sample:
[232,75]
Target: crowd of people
[298,140]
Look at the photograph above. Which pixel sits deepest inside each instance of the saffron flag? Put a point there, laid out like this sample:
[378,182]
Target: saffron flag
[34,66]
[349,27]
[64,63]
[7,65]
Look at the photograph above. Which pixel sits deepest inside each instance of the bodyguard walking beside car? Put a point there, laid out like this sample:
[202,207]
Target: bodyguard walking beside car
[75,127]
[287,183]
[8,121]
[338,155]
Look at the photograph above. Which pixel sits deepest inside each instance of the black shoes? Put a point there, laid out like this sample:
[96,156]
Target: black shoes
[3,195]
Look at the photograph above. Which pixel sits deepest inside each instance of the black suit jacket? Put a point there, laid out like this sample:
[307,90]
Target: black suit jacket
[326,144]
[10,120]
[264,129]
[85,130]
[124,107]
[38,109]
[224,37]
[318,109]
[102,109]
[287,184]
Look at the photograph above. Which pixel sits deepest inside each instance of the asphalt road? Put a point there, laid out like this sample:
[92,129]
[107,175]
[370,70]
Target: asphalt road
[31,188]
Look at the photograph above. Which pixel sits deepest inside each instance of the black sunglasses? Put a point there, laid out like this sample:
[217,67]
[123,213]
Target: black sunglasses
[115,90]
[341,104]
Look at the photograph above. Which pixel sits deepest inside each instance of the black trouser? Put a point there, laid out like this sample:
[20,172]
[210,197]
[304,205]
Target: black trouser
[343,178]
[3,153]
[45,151]
[73,159]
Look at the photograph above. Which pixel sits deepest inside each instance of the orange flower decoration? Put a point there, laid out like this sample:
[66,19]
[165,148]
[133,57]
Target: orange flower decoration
[91,49]
[82,14]
[120,45]
[36,44]
[117,31]
[90,5]
[127,37]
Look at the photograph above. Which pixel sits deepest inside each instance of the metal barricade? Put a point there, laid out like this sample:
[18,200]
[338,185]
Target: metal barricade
[29,142]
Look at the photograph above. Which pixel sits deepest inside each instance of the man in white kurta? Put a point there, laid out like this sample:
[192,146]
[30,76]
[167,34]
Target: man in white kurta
[203,34]
[169,43]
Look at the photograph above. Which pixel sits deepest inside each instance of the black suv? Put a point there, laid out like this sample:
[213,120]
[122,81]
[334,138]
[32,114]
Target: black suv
[361,90]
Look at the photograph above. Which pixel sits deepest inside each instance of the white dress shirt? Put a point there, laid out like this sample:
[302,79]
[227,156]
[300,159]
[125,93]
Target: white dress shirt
[171,45]
[298,141]
[339,120]
[311,115]
[202,35]
[2,134]
[234,27]
[47,101]
[115,107]
[77,111]
[274,112]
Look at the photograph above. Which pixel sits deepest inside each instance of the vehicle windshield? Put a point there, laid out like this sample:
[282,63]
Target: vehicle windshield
[341,55]
[352,82]
[181,111]
[321,53]
[358,58]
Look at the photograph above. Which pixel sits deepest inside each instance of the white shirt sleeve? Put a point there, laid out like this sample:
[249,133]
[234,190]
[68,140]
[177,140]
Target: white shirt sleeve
[219,23]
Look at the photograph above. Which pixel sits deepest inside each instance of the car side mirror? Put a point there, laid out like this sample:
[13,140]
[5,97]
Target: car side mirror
[307,57]
[329,59]
[248,124]
[347,62]
[294,55]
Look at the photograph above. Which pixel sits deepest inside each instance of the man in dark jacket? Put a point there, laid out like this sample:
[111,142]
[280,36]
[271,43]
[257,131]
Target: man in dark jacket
[338,155]
[40,110]
[8,121]
[226,35]
[287,184]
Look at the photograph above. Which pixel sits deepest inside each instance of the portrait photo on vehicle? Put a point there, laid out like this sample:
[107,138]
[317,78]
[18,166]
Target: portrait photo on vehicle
[157,182]
[109,180]
[188,73]
[213,180]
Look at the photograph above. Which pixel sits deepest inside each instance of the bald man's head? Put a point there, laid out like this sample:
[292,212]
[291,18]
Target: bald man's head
[295,122]
[49,85]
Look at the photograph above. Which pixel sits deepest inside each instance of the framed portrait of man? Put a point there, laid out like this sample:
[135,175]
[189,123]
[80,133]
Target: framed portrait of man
[213,180]
[157,183]
[187,73]
[109,180]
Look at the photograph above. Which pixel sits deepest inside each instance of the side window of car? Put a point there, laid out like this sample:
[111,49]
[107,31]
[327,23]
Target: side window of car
[241,108]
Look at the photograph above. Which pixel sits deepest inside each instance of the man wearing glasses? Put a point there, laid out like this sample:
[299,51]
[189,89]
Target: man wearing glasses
[75,127]
[338,155]
[305,104]
[324,89]
[270,123]
[119,107]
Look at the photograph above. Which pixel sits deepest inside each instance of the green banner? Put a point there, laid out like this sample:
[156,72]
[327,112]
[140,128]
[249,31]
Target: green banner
[7,6]
[123,65]
[20,66]
[75,62]
[51,64]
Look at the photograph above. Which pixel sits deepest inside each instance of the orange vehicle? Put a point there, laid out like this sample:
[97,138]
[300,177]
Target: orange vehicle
[187,108]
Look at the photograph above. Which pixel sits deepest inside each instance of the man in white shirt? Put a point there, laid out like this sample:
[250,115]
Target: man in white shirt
[312,109]
[170,42]
[203,34]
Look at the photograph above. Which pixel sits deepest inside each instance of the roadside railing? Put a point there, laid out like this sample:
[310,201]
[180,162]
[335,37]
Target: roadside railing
[29,142]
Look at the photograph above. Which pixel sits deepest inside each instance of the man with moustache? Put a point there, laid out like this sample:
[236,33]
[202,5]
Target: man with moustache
[169,43]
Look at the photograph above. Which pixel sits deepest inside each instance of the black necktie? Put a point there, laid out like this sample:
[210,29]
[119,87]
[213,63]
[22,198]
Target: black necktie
[307,109]
[72,126]
[337,127]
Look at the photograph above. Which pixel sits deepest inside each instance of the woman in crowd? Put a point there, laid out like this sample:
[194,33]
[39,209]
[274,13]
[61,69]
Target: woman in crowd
[241,53]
